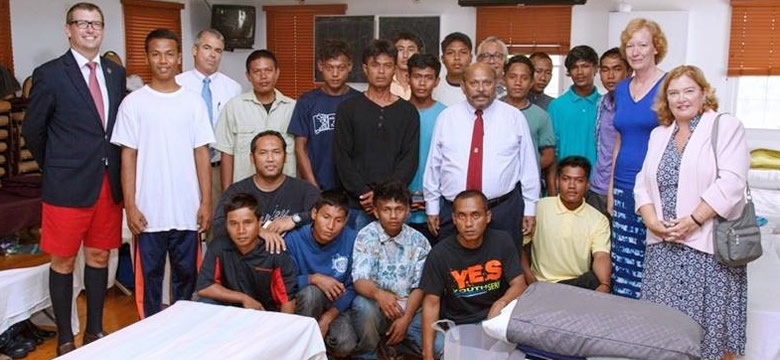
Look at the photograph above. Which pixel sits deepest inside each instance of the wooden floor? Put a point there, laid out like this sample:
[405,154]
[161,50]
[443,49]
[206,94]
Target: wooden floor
[119,312]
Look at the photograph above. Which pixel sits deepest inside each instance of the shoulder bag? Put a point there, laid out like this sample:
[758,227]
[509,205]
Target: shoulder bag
[737,242]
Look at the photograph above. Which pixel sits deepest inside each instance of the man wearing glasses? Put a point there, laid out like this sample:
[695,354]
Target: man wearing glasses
[73,106]
[493,51]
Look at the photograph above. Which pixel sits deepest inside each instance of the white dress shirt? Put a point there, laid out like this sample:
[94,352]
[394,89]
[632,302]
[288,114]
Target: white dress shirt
[82,61]
[223,88]
[509,155]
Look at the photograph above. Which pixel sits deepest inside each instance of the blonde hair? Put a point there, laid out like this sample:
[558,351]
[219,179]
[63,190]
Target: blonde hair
[661,104]
[659,39]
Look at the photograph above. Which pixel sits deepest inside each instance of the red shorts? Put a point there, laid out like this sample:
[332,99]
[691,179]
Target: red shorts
[99,226]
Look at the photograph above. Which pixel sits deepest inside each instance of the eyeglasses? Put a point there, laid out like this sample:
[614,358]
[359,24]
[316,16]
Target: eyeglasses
[486,56]
[83,24]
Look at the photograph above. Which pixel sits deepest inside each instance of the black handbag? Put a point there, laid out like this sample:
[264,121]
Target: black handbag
[737,242]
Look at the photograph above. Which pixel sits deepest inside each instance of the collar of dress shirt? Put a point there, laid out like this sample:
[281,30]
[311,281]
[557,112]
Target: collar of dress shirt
[82,61]
[562,209]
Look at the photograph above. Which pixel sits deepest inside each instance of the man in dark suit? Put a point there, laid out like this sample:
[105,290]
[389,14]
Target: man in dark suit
[73,106]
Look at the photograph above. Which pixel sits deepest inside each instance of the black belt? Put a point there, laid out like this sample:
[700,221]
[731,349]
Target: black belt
[216,164]
[495,201]
[499,200]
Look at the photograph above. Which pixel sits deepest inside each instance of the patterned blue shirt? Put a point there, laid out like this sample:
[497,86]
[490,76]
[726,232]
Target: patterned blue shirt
[395,264]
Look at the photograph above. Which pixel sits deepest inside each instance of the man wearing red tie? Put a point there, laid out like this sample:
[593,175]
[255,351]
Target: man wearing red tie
[482,144]
[73,106]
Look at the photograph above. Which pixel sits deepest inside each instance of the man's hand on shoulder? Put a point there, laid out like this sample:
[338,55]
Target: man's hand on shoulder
[274,243]
[332,288]
[281,225]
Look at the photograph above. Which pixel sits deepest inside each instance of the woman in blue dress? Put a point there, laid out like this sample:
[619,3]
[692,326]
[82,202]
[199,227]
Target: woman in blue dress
[643,44]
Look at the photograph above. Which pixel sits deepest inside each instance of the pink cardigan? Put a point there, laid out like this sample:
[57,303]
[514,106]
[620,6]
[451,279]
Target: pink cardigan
[697,175]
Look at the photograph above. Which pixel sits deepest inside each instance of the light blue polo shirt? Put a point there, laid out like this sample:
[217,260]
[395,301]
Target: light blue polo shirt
[574,123]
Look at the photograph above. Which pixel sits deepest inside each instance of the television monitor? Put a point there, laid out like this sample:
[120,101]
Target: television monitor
[236,23]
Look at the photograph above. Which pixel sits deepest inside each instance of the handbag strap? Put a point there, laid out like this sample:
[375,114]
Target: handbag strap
[714,142]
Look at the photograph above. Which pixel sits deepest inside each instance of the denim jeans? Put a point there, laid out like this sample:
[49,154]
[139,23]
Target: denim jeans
[358,219]
[340,339]
[371,325]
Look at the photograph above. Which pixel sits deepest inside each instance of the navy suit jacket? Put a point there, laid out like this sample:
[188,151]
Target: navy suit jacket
[63,130]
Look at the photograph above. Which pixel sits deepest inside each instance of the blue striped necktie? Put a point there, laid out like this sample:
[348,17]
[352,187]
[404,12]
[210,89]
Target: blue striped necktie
[205,92]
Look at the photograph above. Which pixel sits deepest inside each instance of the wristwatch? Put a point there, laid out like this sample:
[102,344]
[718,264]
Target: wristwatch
[296,219]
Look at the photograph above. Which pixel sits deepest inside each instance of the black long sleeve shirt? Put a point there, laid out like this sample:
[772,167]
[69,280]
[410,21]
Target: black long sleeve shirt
[375,143]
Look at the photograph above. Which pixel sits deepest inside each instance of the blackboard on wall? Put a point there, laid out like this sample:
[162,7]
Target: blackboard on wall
[426,27]
[357,31]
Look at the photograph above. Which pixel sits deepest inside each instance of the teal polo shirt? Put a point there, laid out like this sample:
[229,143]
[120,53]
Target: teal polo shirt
[574,124]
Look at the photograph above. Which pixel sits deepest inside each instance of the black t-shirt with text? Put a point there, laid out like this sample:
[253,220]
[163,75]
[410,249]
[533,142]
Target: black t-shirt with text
[469,281]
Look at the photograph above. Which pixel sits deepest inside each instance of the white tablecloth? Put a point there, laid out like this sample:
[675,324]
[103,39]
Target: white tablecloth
[23,292]
[191,330]
[763,318]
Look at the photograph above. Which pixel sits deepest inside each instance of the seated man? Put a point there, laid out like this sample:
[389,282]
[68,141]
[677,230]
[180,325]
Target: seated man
[388,262]
[323,253]
[284,202]
[571,236]
[470,276]
[244,273]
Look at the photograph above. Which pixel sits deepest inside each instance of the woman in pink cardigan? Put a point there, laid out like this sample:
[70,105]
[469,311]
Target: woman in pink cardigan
[677,195]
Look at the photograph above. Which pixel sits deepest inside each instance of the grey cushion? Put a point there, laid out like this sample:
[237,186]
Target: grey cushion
[566,320]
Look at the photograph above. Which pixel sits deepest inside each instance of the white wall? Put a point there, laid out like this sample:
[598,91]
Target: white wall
[38,33]
[707,37]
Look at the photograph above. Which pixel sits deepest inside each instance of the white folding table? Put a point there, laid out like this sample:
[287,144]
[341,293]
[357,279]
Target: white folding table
[192,330]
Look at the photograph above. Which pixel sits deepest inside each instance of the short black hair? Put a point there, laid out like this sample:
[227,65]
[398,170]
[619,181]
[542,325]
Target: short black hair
[581,52]
[333,198]
[541,55]
[456,36]
[253,145]
[575,161]
[379,47]
[615,53]
[332,49]
[406,35]
[422,61]
[392,190]
[241,201]
[257,54]
[522,59]
[162,34]
[468,194]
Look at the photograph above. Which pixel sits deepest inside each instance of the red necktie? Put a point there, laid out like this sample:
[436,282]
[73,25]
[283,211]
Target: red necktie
[474,175]
[94,90]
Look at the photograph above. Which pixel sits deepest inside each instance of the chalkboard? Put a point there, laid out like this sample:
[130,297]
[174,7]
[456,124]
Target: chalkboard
[426,27]
[357,31]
